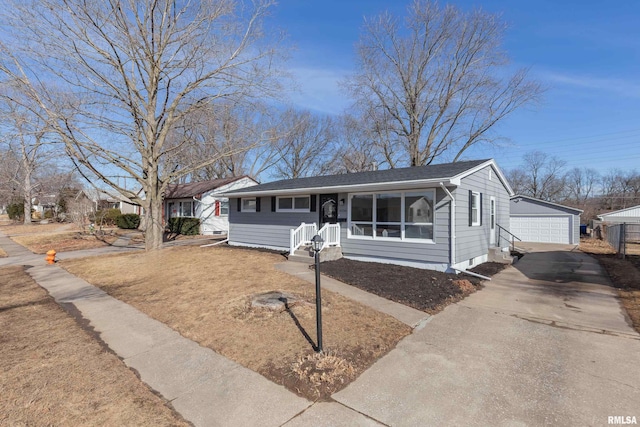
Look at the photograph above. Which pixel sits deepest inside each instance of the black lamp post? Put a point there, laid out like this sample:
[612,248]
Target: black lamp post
[316,244]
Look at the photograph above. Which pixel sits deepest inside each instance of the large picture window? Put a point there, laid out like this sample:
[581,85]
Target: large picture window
[293,204]
[393,215]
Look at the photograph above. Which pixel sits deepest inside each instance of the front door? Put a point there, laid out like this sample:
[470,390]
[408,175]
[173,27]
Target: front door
[328,208]
[492,221]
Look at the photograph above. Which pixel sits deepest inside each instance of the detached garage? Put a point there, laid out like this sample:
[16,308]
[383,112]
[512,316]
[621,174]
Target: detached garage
[535,220]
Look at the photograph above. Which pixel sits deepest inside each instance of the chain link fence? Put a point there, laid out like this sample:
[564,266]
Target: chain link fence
[624,238]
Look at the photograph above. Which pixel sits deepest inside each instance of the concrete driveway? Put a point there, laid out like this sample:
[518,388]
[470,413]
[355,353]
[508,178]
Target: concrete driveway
[545,343]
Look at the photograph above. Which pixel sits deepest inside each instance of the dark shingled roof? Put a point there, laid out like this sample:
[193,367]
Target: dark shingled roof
[440,171]
[192,189]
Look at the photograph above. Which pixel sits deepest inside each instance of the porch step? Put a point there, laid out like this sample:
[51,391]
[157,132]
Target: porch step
[306,255]
[497,255]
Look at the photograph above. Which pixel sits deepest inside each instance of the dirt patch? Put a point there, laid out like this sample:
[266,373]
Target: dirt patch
[426,290]
[63,242]
[54,373]
[489,269]
[206,294]
[624,275]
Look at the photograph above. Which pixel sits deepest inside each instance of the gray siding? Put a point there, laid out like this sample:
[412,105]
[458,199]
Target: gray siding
[473,241]
[525,207]
[437,252]
[264,228]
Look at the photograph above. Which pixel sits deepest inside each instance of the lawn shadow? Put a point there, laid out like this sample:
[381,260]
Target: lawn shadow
[304,333]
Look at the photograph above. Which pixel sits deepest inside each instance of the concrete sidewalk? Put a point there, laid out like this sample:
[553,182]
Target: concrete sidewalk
[407,315]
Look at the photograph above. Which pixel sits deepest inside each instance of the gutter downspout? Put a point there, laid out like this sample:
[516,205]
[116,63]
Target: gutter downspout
[452,255]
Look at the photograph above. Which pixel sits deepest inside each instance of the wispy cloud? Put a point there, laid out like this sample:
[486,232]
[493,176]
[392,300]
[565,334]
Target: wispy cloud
[624,87]
[318,89]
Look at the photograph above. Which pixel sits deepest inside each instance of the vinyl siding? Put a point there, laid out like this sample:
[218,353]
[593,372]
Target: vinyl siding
[473,241]
[527,207]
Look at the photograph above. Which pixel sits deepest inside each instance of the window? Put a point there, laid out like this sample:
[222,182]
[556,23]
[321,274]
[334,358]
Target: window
[293,204]
[474,209]
[224,207]
[393,215]
[180,209]
[249,205]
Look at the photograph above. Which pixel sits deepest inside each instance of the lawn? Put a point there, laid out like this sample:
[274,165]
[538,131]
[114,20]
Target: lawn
[11,228]
[40,243]
[56,373]
[206,293]
[624,275]
[3,254]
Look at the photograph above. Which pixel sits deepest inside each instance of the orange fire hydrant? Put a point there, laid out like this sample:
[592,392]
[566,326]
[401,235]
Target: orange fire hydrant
[51,257]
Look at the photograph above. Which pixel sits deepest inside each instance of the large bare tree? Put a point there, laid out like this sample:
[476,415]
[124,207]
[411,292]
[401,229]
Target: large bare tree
[540,175]
[436,83]
[114,78]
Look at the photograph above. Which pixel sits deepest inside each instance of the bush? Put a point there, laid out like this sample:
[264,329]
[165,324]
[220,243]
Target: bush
[128,221]
[186,226]
[15,211]
[48,214]
[107,217]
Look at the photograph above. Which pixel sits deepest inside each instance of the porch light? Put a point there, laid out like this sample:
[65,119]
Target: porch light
[316,244]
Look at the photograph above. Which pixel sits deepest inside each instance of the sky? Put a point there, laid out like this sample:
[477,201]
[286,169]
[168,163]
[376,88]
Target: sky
[585,52]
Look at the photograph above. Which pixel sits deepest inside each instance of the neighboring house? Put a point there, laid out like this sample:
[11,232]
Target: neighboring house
[42,204]
[436,217]
[203,200]
[108,201]
[628,215]
[535,220]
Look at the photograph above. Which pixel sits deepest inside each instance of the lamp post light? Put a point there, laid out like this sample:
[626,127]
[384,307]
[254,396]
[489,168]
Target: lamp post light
[316,244]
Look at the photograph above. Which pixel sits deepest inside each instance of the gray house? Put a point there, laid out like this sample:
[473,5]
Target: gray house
[535,220]
[437,217]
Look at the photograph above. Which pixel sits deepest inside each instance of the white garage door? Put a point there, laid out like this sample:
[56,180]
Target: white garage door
[544,229]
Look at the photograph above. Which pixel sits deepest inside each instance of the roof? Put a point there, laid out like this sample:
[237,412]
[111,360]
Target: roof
[447,173]
[622,212]
[193,189]
[545,202]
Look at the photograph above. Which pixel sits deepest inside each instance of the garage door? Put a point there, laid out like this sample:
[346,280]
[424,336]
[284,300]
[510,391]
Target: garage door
[544,229]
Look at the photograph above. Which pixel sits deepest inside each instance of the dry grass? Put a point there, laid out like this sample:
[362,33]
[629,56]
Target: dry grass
[12,229]
[3,254]
[595,246]
[62,242]
[205,294]
[54,373]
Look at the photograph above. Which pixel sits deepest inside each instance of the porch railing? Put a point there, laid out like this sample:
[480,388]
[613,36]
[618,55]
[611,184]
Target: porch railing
[502,232]
[301,236]
[330,233]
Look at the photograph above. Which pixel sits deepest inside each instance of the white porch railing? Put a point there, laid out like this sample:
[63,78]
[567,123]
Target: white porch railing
[301,236]
[330,233]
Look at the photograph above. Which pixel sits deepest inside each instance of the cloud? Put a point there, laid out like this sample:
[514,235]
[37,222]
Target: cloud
[318,89]
[616,86]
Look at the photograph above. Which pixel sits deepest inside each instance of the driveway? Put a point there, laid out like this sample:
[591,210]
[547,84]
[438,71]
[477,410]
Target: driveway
[545,343]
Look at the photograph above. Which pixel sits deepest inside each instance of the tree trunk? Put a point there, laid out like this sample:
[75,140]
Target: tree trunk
[27,196]
[153,235]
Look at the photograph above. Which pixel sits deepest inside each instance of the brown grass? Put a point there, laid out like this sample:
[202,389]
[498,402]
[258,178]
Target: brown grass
[3,254]
[54,373]
[62,242]
[205,294]
[15,229]
[595,246]
[624,275]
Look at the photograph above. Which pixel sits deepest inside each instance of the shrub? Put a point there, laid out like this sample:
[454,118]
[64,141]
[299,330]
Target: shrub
[15,211]
[48,214]
[128,221]
[186,226]
[107,216]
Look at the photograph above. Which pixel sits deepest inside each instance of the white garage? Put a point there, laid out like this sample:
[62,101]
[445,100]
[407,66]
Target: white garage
[535,220]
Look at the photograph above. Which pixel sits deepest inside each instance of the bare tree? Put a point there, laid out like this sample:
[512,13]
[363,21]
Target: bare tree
[540,176]
[433,82]
[115,77]
[581,185]
[304,145]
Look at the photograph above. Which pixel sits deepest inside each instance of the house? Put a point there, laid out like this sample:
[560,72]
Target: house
[628,215]
[437,217]
[535,220]
[105,200]
[203,200]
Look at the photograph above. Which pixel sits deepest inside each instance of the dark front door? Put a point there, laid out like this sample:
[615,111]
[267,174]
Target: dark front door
[328,208]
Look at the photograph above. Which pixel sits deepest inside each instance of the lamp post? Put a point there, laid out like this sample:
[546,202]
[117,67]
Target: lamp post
[316,244]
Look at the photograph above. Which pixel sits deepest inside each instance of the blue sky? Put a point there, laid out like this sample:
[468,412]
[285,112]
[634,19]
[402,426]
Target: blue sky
[587,53]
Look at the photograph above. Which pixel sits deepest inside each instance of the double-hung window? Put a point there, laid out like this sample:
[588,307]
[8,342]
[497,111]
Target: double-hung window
[248,205]
[392,215]
[474,208]
[293,204]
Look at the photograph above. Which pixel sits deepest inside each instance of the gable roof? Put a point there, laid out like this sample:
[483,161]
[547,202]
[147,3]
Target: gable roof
[447,173]
[192,189]
[627,212]
[544,202]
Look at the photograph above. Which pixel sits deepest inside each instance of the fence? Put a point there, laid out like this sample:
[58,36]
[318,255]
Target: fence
[625,238]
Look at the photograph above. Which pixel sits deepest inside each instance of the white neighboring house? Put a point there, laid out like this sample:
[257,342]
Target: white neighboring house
[629,215]
[104,200]
[203,200]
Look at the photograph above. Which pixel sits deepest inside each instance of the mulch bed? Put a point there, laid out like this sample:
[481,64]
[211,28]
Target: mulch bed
[426,290]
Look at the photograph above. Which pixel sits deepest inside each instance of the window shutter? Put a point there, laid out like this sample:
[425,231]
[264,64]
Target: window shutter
[313,202]
[216,209]
[480,210]
[239,204]
[257,204]
[273,203]
[470,208]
